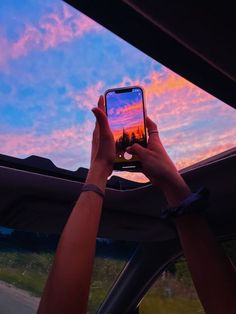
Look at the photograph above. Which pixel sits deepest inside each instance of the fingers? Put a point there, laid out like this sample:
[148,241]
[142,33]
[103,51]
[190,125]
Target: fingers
[153,133]
[151,125]
[96,129]
[101,103]
[102,121]
[137,150]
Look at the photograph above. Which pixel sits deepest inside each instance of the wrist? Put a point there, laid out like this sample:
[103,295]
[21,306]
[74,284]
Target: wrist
[195,203]
[97,175]
[102,168]
[175,190]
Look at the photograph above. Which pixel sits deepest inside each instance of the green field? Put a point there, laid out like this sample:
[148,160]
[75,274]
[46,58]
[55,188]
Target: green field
[27,271]
[171,294]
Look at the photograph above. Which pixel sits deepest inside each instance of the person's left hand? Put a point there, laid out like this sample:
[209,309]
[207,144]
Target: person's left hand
[103,144]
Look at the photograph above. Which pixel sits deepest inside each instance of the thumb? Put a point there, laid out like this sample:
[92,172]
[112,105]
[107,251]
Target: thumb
[137,150]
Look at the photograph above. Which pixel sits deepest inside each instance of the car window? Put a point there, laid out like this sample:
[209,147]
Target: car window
[111,258]
[174,292]
[26,259]
[55,62]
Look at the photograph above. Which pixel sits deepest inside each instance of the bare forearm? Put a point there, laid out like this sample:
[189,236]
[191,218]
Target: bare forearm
[70,277]
[213,274]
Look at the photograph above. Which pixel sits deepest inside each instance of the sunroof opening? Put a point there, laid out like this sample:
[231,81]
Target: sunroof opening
[54,64]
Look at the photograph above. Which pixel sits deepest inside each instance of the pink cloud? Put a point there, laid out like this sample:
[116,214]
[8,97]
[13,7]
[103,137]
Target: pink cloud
[199,152]
[174,103]
[168,93]
[177,104]
[52,30]
[189,148]
[69,148]
[88,98]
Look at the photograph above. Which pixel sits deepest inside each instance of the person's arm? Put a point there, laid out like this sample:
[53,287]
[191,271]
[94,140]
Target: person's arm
[67,287]
[213,274]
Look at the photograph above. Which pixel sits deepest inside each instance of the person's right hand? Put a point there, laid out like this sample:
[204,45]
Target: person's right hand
[159,168]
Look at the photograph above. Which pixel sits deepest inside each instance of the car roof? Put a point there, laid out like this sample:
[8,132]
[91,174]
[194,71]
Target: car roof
[42,202]
[194,40]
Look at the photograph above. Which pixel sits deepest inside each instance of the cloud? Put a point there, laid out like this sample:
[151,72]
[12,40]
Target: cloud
[68,148]
[193,124]
[130,107]
[51,30]
[182,163]
[189,148]
[87,98]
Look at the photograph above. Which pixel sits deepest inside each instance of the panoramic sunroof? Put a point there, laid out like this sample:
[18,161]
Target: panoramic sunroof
[54,64]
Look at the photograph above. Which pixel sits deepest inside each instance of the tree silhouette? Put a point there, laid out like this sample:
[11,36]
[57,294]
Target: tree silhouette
[127,139]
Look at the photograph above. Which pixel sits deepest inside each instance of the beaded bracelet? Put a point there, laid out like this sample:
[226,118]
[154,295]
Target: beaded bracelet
[195,202]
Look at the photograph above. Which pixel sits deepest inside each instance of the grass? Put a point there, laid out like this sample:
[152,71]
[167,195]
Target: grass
[27,271]
[156,304]
[169,295]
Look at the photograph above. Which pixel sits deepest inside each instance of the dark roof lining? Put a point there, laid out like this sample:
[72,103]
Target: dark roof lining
[35,202]
[44,166]
[140,32]
[205,29]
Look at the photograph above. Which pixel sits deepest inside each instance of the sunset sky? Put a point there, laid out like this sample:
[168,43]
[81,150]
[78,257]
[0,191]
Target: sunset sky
[54,64]
[125,111]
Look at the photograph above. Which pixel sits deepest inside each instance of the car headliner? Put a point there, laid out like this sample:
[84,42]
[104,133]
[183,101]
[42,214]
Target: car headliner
[42,202]
[194,40]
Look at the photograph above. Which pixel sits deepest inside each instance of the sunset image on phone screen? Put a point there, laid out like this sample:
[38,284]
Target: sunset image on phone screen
[126,118]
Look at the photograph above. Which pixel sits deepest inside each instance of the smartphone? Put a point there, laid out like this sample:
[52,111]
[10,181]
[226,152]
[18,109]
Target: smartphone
[126,115]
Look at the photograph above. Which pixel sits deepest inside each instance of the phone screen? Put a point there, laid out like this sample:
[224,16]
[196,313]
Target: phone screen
[126,116]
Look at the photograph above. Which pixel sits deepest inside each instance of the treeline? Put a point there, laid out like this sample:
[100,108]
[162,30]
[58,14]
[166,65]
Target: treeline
[127,139]
[42,242]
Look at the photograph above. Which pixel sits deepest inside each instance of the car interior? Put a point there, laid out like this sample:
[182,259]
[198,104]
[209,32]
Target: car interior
[197,42]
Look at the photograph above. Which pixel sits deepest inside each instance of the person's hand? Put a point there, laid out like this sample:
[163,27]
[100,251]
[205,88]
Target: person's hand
[103,144]
[156,163]
[158,166]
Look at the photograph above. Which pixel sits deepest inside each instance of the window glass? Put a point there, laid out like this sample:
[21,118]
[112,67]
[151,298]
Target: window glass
[54,64]
[174,293]
[111,257]
[26,259]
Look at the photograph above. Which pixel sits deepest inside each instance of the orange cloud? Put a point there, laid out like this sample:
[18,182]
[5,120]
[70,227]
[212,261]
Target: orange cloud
[187,149]
[184,162]
[130,107]
[87,98]
[181,111]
